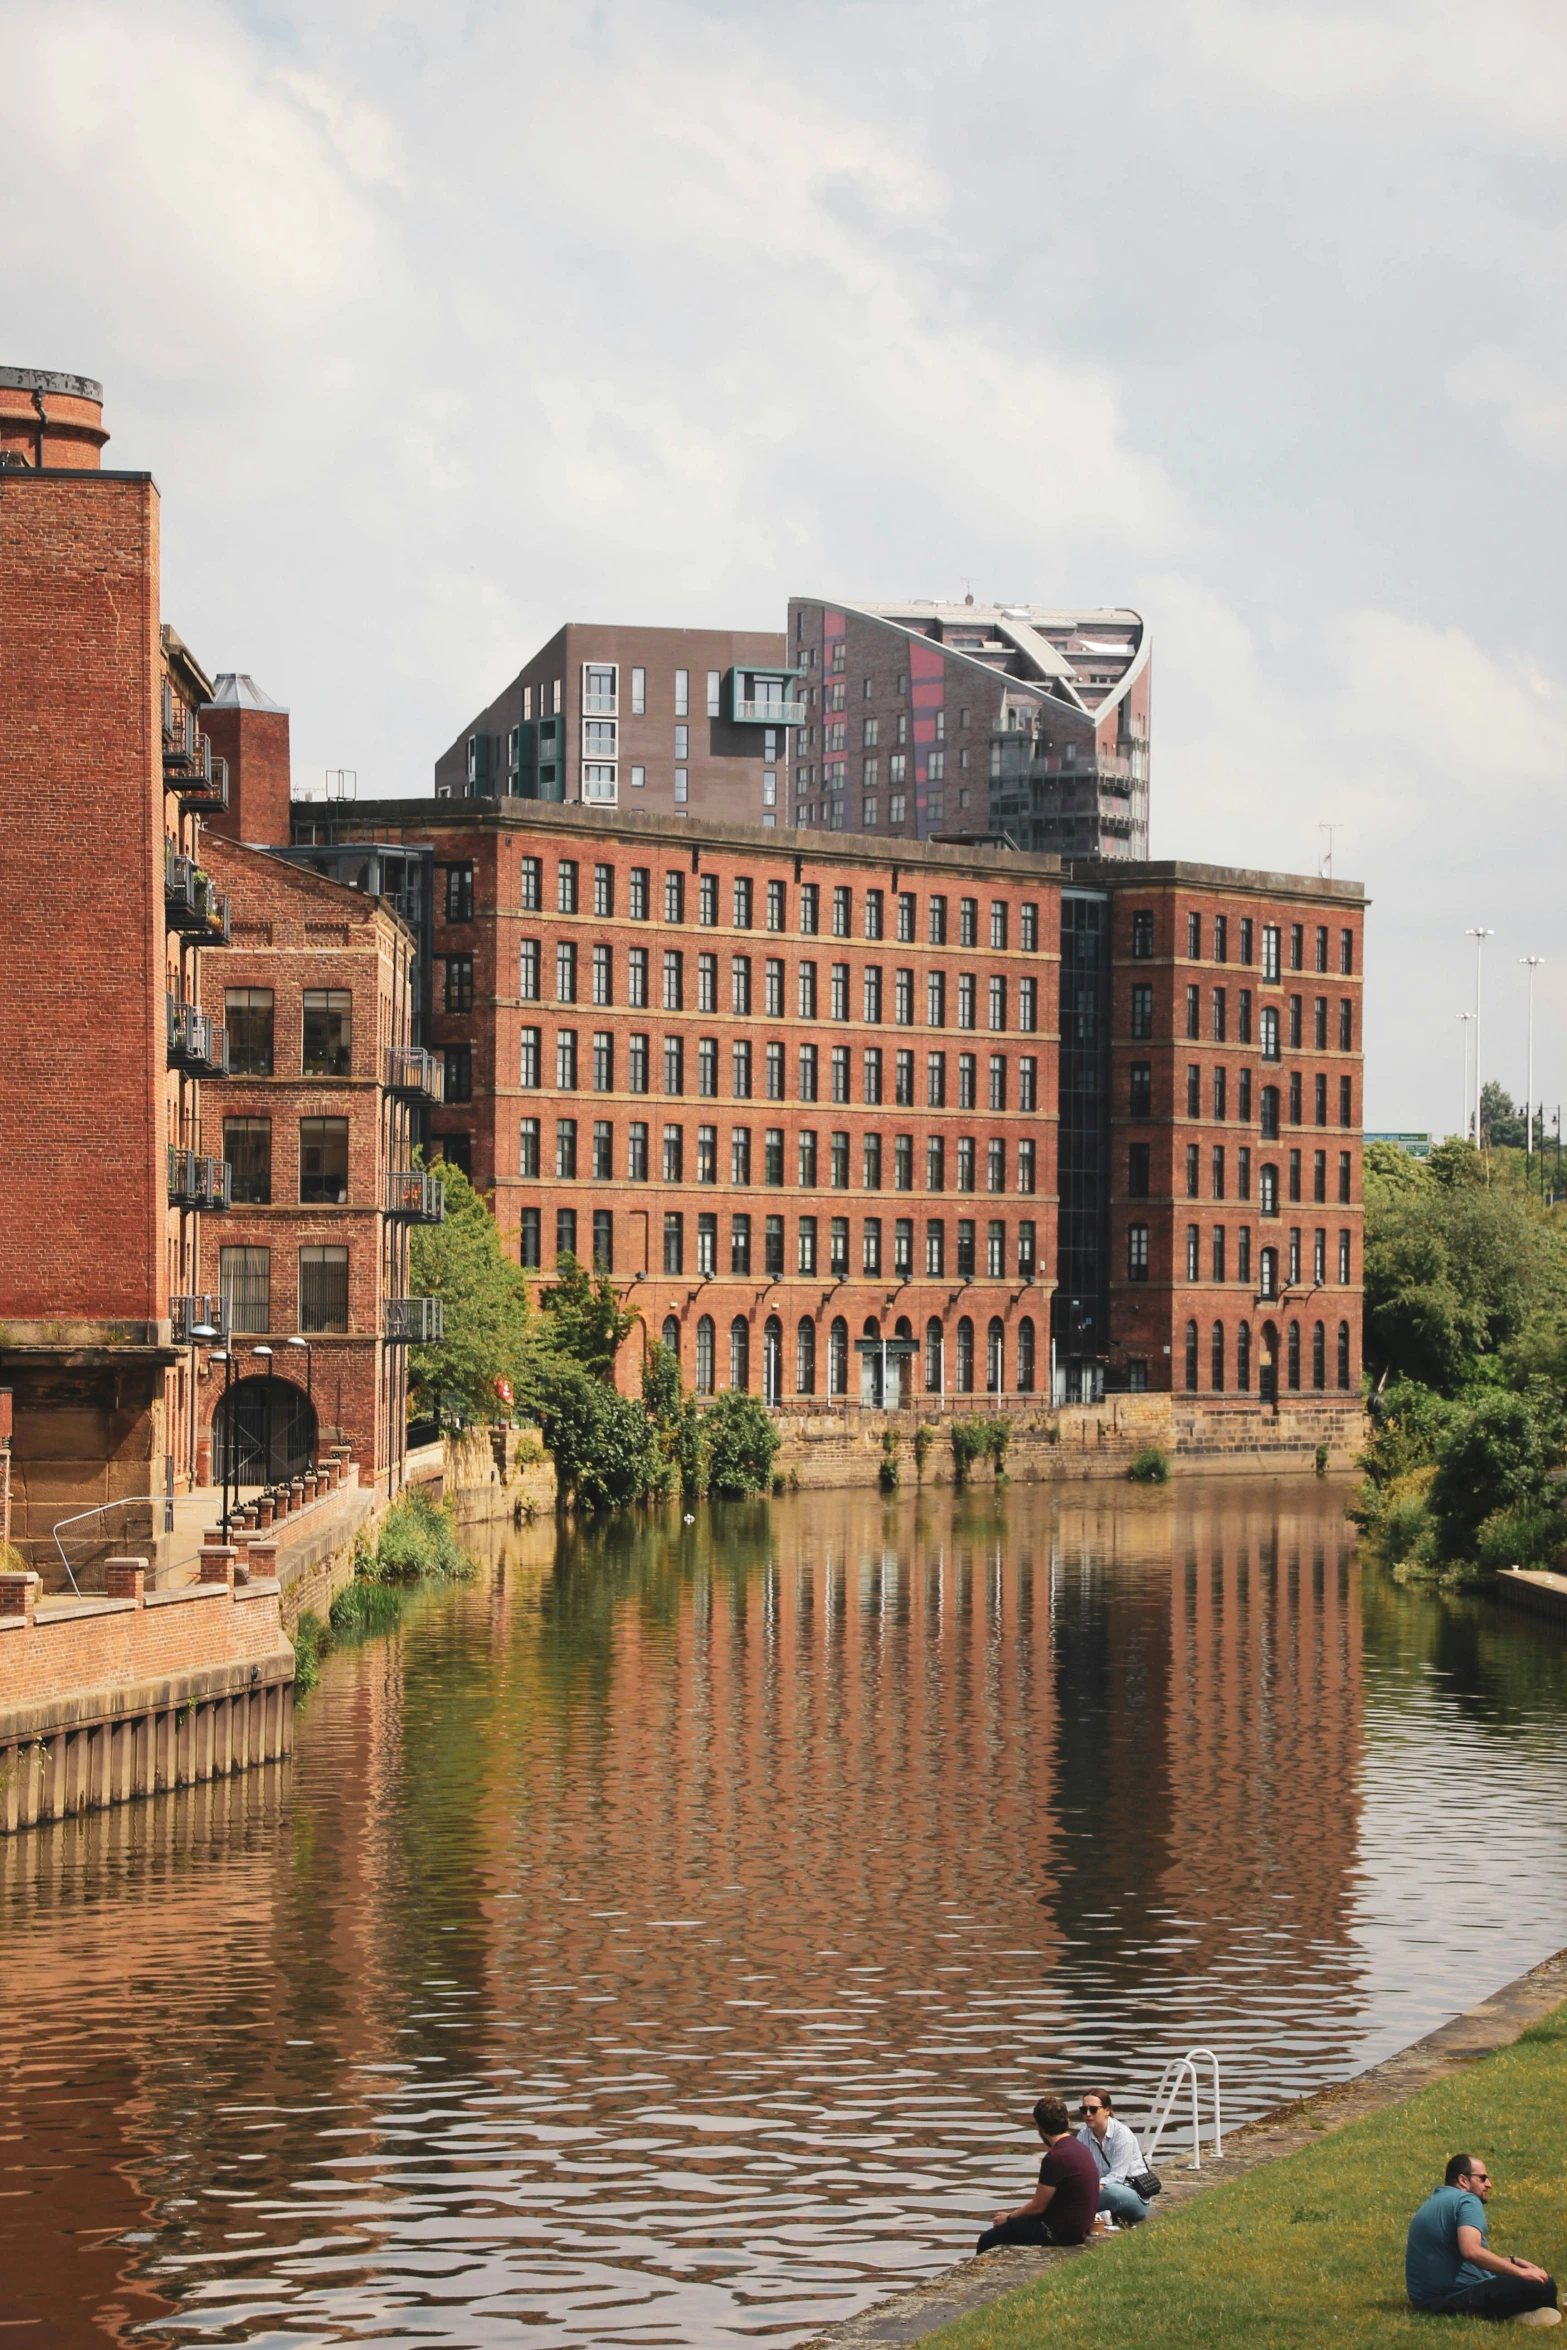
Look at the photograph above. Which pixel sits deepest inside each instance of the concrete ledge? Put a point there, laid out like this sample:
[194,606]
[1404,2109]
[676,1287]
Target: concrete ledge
[1534,1588]
[87,1708]
[184,1592]
[77,1611]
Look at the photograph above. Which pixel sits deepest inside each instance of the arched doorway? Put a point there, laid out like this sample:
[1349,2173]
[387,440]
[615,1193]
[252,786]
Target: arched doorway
[1268,1367]
[739,1354]
[838,1358]
[805,1357]
[263,1430]
[995,1356]
[870,1364]
[772,1361]
[965,1356]
[1025,1355]
[934,1365]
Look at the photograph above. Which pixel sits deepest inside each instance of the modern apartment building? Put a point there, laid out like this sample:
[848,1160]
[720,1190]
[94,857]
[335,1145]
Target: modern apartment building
[929,719]
[809,1097]
[666,720]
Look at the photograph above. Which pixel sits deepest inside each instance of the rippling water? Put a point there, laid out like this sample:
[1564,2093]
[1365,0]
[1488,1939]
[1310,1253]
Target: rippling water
[661,1940]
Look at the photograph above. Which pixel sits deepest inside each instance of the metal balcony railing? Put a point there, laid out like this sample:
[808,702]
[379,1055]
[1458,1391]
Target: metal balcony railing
[769,713]
[414,1074]
[415,1197]
[197,1181]
[200,780]
[413,1321]
[212,909]
[197,1043]
[180,906]
[187,1315]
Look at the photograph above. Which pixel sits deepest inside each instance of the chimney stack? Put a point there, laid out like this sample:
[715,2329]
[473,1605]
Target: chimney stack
[54,421]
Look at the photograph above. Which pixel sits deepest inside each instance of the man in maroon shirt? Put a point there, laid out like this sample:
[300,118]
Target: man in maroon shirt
[1062,2207]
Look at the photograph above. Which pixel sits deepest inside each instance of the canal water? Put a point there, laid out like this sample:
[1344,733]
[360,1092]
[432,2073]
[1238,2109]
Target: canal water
[662,1938]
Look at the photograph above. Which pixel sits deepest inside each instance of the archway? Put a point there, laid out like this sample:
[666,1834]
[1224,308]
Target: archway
[871,1364]
[838,1358]
[1268,1368]
[772,1361]
[995,1356]
[263,1430]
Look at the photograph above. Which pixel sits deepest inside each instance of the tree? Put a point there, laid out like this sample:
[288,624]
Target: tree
[1500,1124]
[489,1330]
[740,1442]
[1454,1270]
[586,1322]
[1492,1457]
[605,1447]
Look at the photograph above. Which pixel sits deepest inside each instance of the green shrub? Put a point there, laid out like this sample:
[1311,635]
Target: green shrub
[976,1438]
[1151,1467]
[887,1475]
[364,1608]
[924,1438]
[604,1445]
[311,1641]
[1322,1460]
[1528,1537]
[740,1443]
[418,1543]
[1493,1456]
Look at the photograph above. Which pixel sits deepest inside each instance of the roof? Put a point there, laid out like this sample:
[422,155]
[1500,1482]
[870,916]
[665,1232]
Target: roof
[236,689]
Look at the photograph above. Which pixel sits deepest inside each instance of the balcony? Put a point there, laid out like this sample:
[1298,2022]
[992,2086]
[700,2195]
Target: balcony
[198,1044]
[774,705]
[198,1182]
[200,781]
[415,1198]
[213,910]
[414,1075]
[187,1315]
[413,1321]
[180,894]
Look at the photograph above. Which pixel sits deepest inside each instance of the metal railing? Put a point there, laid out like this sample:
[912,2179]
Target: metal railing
[1183,2070]
[415,1074]
[197,1181]
[415,1197]
[770,713]
[187,1315]
[413,1321]
[197,1042]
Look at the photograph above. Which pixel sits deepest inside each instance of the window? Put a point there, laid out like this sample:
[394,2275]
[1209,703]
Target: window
[998,1004]
[674,1065]
[1191,1358]
[1295,1010]
[1218,1358]
[245,1285]
[965,1162]
[1193,1090]
[1294,1097]
[1270,1113]
[1141,1089]
[871,991]
[1193,1253]
[903,1162]
[772,1157]
[740,1155]
[872,1072]
[566,1060]
[1220,1001]
[871,1163]
[323,1290]
[903,1081]
[1142,1009]
[1246,938]
[1269,1026]
[1243,1105]
[1194,937]
[1192,1165]
[1142,935]
[1343,1260]
[838,1248]
[565,1150]
[459,983]
[838,1159]
[871,1250]
[995,1250]
[323,1160]
[1137,1252]
[674,1241]
[530,886]
[873,913]
[1343,1179]
[528,1058]
[1319,1023]
[247,1015]
[1268,1190]
[1343,1356]
[459,893]
[996,1165]
[706,1246]
[1346,952]
[1218,1170]
[740,1244]
[247,1146]
[903,998]
[810,909]
[998,1081]
[528,1238]
[1220,1082]
[1243,1253]
[682,693]
[806,991]
[707,1067]
[1138,1160]
[1218,1252]
[1294,1175]
[603,1151]
[636,1064]
[903,1248]
[968,922]
[1319,1090]
[1221,938]
[1025,1166]
[807,1072]
[674,979]
[935,1249]
[674,897]
[1270,952]
[528,1148]
[1243,1173]
[1244,1025]
[457,1062]
[566,972]
[806,1146]
[1319,1175]
[935,1163]
[1346,1102]
[742,904]
[1294,1357]
[936,924]
[328,1026]
[773,1247]
[1319,1257]
[1297,946]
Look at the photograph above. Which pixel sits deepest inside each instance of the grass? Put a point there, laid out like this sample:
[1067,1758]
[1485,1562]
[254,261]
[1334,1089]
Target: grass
[1310,2250]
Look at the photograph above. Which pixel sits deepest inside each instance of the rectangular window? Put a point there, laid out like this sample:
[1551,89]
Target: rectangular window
[838,1161]
[773,1247]
[459,983]
[1346,1102]
[566,886]
[459,893]
[903,1081]
[1142,1009]
[604,1240]
[713,678]
[838,1248]
[674,1241]
[1294,1255]
[1346,1026]
[998,1081]
[998,1004]
[1025,1166]
[742,1072]
[323,1160]
[1243,1254]
[995,1251]
[565,1150]
[1028,1083]
[636,1152]
[457,1062]
[775,1073]
[1319,1257]
[245,1285]
[1142,935]
[1028,1005]
[638,888]
[706,1246]
[1319,1023]
[1193,1090]
[903,999]
[566,972]
[1220,1082]
[636,1064]
[1193,1170]
[937,922]
[603,1151]
[248,1015]
[1297,946]
[247,1146]
[1346,952]
[528,1149]
[1294,1174]
[1343,1260]
[674,1154]
[707,1067]
[1194,937]
[674,1065]
[1194,1011]
[530,885]
[740,1155]
[603,975]
[996,1166]
[1218,1171]
[968,922]
[566,1060]
[528,1058]
[707,901]
[674,980]
[965,999]
[998,924]
[903,1248]
[1295,1023]
[740,1244]
[1243,1173]
[1140,1101]
[966,1162]
[328,1026]
[808,1072]
[935,1081]
[871,1162]
[1218,1252]
[1221,938]
[903,1162]
[742,904]
[674,897]
[776,905]
[772,1155]
[810,909]
[1319,1175]
[1294,1097]
[935,1164]
[323,1291]
[874,902]
[871,1254]
[1137,1252]
[935,1248]
[682,693]
[872,1087]
[1270,951]
[807,991]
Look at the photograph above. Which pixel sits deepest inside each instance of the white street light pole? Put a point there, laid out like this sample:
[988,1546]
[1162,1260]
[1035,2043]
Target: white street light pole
[1463,1019]
[1479,937]
[1532,964]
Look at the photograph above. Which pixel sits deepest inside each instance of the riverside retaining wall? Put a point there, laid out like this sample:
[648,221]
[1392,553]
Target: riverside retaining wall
[487,1474]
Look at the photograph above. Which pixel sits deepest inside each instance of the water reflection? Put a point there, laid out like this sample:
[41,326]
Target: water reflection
[657,1942]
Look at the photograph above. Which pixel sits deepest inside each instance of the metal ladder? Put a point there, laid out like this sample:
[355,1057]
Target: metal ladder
[1184,2069]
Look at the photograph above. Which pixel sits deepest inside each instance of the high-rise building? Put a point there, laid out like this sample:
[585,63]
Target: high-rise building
[675,721]
[1006,721]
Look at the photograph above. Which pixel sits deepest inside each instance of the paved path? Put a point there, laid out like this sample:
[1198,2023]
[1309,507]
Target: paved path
[1496,2022]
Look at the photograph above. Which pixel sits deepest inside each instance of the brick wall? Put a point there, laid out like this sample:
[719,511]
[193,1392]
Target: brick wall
[256,746]
[107,1643]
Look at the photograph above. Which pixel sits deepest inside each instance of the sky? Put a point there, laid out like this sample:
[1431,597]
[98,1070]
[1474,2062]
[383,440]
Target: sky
[440,327]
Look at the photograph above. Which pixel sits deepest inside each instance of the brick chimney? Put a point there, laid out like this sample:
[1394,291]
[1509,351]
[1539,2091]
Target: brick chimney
[250,730]
[50,420]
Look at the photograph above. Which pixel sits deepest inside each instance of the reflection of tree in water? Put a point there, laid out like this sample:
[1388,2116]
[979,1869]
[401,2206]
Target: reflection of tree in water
[1502,1669]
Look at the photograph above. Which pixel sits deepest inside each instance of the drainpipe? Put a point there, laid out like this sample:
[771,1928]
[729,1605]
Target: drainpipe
[38,403]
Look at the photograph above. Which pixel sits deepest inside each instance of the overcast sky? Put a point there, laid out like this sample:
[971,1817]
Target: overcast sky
[441,326]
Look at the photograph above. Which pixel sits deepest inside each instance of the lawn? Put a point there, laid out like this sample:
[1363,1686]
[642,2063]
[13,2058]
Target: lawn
[1310,2249]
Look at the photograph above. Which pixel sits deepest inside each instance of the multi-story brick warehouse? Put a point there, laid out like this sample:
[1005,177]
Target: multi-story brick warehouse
[802,1096]
[660,719]
[924,719]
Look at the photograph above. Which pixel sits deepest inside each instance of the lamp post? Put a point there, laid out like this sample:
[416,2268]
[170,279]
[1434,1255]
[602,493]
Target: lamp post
[1479,936]
[223,1356]
[1531,964]
[265,1353]
[310,1398]
[1463,1019]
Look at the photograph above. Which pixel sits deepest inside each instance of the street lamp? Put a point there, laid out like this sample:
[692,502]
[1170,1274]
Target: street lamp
[1531,964]
[310,1398]
[265,1352]
[1479,936]
[222,1355]
[1463,1019]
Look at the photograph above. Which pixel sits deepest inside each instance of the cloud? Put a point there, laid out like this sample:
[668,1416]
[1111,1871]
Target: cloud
[1533,409]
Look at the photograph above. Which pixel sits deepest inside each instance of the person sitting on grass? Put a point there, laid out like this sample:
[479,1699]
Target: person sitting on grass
[1061,2209]
[1116,2156]
[1449,2267]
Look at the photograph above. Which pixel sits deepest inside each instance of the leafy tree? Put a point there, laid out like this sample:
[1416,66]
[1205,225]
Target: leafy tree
[1454,1269]
[1501,1124]
[1494,1457]
[586,1322]
[489,1329]
[604,1445]
[740,1443]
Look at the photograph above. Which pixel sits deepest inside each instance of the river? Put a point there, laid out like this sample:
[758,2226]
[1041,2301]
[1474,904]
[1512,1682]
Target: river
[661,1939]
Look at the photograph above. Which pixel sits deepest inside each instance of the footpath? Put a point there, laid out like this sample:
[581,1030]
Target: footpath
[1316,2255]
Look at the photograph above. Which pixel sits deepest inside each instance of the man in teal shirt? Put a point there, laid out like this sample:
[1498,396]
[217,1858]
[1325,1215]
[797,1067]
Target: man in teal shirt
[1448,2265]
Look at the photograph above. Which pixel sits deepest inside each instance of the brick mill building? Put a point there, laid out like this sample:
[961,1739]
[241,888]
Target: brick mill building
[845,1118]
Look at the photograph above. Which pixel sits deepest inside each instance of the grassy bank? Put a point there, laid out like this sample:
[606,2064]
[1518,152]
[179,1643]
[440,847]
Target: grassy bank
[1310,2249]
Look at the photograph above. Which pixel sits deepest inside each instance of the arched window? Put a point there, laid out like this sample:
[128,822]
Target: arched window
[995,1357]
[704,1355]
[772,1360]
[1268,1191]
[1294,1358]
[1270,1272]
[965,1356]
[671,1335]
[266,1429]
[871,1365]
[1319,1356]
[1218,1358]
[1025,1356]
[838,1358]
[1191,1358]
[1268,1381]
[805,1357]
[1343,1356]
[1270,1032]
[740,1353]
[933,1367]
[1243,1358]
